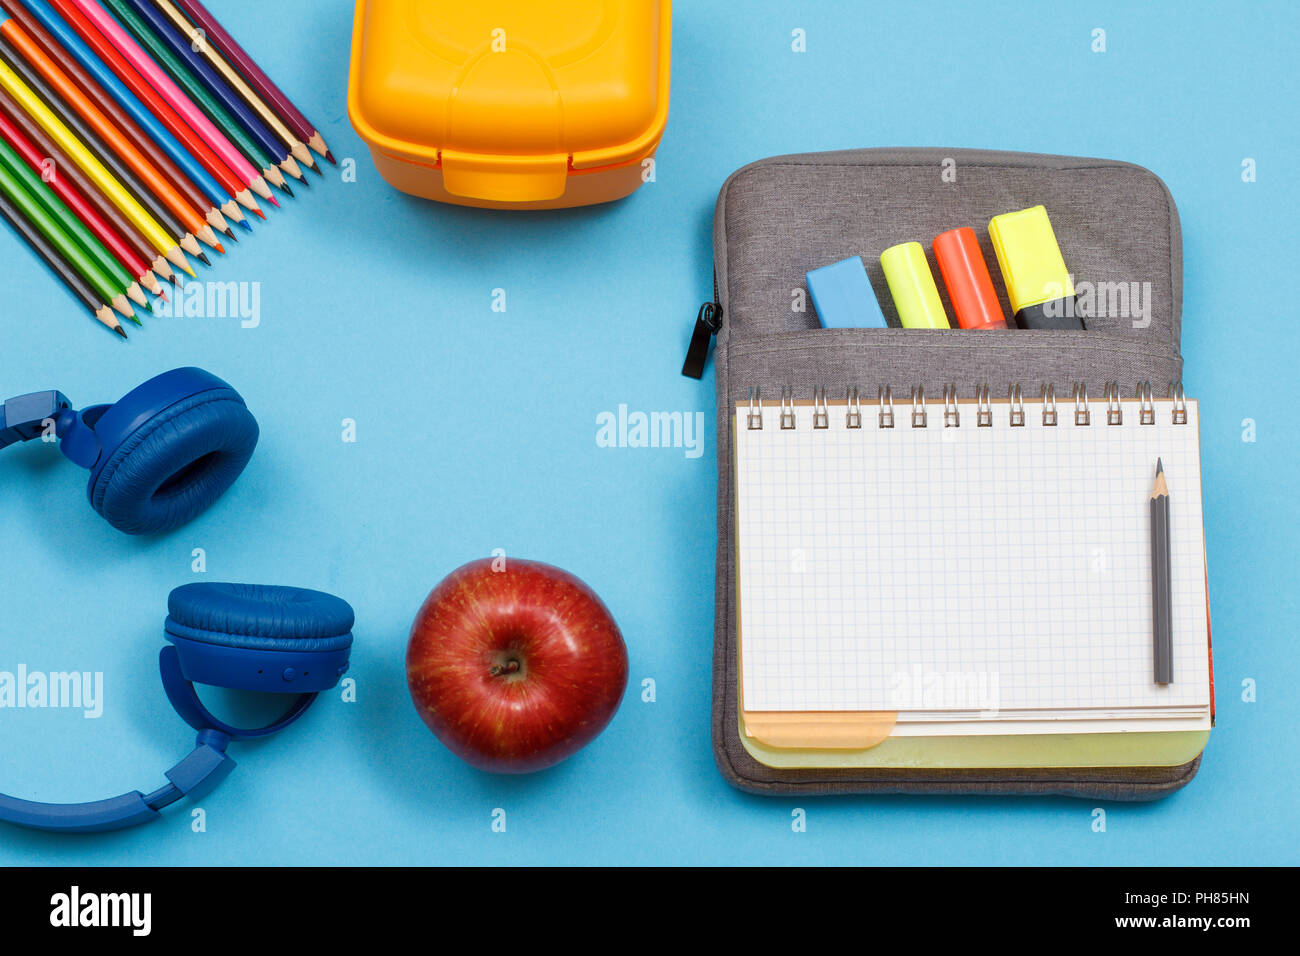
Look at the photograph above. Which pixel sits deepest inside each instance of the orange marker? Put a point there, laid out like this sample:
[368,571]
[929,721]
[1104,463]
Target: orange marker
[970,287]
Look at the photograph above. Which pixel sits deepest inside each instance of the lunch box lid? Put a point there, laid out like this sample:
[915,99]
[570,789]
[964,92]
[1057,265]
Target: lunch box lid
[512,90]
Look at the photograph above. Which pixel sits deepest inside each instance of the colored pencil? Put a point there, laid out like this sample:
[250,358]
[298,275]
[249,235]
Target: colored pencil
[57,39]
[170,119]
[231,75]
[60,133]
[67,247]
[232,51]
[148,37]
[59,266]
[117,165]
[57,210]
[24,29]
[230,101]
[104,22]
[1161,580]
[106,129]
[63,168]
[32,40]
[80,206]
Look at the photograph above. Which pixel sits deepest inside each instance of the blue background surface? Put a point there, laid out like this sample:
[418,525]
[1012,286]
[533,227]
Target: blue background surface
[476,430]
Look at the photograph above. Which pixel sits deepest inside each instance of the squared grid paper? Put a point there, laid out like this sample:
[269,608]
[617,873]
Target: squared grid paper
[871,559]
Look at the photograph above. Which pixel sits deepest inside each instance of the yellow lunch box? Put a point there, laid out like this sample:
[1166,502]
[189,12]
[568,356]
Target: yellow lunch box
[512,104]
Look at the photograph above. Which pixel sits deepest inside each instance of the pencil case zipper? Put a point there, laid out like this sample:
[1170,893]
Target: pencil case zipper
[708,321]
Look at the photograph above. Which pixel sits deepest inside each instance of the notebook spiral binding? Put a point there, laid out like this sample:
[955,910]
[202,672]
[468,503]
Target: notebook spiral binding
[919,415]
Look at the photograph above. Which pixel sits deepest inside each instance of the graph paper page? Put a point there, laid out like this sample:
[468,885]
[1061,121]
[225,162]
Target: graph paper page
[907,568]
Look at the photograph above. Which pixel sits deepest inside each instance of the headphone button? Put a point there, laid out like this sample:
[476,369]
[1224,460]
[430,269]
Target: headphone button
[289,674]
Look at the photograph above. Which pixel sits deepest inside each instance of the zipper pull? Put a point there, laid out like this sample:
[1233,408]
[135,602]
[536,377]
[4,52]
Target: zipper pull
[707,323]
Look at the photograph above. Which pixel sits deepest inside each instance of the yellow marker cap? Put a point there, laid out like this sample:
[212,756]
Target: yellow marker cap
[1029,257]
[911,283]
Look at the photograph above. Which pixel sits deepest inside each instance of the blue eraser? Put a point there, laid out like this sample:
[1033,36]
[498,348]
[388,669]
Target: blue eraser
[842,296]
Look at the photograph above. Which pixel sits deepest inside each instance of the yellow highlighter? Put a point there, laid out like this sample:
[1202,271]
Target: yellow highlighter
[1038,284]
[911,283]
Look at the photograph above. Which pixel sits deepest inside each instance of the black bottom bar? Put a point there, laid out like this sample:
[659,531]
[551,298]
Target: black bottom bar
[435,910]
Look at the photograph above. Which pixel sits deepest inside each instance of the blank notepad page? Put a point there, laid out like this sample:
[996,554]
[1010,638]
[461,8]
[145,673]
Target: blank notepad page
[876,561]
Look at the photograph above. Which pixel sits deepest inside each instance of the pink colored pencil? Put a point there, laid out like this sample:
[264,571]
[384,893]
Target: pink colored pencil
[171,93]
[257,79]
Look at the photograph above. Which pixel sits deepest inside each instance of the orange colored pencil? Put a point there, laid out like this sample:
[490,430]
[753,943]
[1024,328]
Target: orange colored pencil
[107,130]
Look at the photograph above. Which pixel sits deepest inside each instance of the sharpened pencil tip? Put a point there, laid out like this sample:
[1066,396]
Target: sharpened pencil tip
[120,331]
[287,191]
[190,273]
[204,259]
[1160,466]
[229,234]
[259,213]
[247,227]
[330,156]
[315,168]
[220,248]
[273,201]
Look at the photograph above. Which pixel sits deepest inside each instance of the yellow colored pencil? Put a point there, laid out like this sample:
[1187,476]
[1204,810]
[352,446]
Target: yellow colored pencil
[94,170]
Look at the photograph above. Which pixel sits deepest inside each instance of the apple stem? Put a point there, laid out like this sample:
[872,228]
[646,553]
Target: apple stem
[509,667]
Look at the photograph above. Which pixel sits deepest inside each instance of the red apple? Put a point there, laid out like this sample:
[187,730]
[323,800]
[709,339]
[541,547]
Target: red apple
[515,665]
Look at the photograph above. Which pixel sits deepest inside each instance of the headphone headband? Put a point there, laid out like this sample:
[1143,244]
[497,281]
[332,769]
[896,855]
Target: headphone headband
[23,418]
[195,776]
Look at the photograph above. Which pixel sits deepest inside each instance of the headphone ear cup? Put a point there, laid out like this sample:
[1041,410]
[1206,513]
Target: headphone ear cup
[176,464]
[260,637]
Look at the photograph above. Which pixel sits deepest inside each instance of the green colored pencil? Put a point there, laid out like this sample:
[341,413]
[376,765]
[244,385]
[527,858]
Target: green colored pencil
[67,247]
[39,190]
[58,265]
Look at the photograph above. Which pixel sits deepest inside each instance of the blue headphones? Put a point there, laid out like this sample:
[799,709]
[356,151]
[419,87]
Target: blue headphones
[157,458]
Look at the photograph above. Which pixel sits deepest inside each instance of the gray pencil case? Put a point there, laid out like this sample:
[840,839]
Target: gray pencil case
[778,218]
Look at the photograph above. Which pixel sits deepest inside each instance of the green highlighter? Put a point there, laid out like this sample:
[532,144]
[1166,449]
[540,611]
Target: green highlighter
[911,283]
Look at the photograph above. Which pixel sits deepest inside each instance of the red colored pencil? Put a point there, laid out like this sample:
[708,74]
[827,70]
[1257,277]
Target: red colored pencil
[150,98]
[80,206]
[110,107]
[66,169]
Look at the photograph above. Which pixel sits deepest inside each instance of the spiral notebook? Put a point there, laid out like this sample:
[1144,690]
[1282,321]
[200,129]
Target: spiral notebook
[964,565]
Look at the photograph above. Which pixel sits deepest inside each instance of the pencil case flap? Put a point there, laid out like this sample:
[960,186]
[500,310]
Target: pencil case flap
[776,219]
